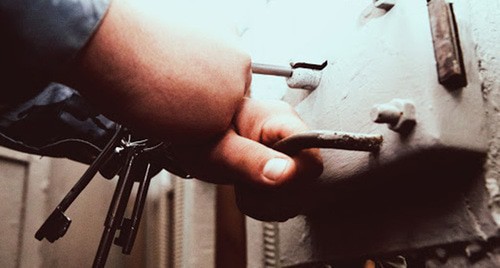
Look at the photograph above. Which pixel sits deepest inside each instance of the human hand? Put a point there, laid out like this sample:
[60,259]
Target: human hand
[153,69]
[243,156]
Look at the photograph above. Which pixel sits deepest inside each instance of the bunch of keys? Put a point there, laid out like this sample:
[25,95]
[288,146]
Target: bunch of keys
[134,161]
[138,161]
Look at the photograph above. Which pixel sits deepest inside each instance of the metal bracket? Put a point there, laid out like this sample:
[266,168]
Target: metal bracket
[301,75]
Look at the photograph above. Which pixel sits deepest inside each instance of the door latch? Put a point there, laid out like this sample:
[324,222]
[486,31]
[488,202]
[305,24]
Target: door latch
[299,75]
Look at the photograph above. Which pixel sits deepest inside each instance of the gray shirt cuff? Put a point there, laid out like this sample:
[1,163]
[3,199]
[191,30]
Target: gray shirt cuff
[50,33]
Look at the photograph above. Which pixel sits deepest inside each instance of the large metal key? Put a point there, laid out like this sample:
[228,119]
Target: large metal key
[117,206]
[58,223]
[130,226]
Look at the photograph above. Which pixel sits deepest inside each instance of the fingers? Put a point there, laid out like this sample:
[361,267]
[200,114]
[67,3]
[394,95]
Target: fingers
[236,159]
[245,158]
[267,121]
[286,201]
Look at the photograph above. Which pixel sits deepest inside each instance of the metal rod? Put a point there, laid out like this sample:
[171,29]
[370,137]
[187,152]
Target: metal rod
[329,139]
[269,69]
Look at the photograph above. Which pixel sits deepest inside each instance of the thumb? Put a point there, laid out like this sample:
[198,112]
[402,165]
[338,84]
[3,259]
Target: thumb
[235,159]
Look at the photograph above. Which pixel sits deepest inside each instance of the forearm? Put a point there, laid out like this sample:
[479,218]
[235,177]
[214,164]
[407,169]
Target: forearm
[158,73]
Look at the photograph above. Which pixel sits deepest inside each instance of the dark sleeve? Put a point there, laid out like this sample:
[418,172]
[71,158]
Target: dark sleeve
[47,34]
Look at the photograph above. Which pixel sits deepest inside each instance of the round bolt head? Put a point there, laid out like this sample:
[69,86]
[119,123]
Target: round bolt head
[399,114]
[385,113]
[407,121]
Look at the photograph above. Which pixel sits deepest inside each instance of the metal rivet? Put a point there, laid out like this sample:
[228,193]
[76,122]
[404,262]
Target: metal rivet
[399,114]
[386,113]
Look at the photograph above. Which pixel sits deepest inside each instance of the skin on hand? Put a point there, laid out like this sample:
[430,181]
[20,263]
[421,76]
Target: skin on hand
[269,184]
[155,70]
[244,155]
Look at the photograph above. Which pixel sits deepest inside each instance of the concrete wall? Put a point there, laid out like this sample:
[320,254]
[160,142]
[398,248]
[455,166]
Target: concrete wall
[485,25]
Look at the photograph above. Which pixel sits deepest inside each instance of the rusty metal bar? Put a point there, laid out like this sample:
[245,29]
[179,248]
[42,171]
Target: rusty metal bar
[330,139]
[447,51]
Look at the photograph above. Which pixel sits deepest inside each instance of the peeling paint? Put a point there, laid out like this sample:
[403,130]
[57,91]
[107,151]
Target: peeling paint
[476,224]
[485,30]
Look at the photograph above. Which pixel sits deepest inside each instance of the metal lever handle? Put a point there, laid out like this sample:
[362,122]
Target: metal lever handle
[329,139]
[300,75]
[285,71]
